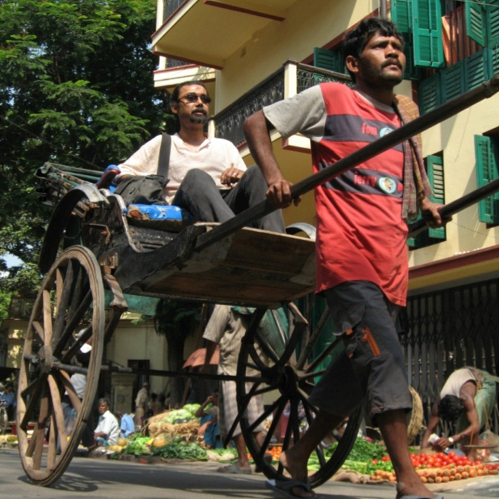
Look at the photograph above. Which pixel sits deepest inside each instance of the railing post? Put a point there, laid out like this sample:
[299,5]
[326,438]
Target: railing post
[290,79]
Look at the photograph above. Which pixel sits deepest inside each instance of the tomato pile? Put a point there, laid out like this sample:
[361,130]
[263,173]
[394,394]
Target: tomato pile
[422,461]
[436,468]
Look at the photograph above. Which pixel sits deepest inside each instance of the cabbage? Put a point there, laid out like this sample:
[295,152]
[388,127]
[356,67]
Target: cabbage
[179,415]
[192,408]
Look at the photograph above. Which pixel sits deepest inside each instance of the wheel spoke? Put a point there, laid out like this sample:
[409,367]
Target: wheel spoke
[57,412]
[63,293]
[327,351]
[68,386]
[32,391]
[39,431]
[71,325]
[305,354]
[47,317]
[39,330]
[52,446]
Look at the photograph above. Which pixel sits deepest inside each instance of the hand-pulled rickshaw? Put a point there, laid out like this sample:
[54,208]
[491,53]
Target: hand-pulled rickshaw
[112,251]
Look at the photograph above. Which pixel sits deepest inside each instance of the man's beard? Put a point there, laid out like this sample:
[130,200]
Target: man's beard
[200,120]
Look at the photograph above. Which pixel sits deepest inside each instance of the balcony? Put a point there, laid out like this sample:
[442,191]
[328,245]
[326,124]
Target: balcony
[289,80]
[192,29]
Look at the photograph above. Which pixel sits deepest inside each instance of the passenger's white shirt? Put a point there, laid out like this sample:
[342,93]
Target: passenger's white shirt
[213,156]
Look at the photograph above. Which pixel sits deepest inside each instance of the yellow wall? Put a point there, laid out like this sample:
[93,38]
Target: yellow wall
[455,137]
[308,24]
[141,342]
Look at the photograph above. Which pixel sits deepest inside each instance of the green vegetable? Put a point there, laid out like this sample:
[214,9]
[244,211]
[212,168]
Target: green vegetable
[192,408]
[178,451]
[138,446]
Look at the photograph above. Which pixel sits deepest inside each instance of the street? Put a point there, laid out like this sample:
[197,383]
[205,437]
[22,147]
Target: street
[100,478]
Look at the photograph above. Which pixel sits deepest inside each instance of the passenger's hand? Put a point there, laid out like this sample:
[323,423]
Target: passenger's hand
[231,176]
[279,194]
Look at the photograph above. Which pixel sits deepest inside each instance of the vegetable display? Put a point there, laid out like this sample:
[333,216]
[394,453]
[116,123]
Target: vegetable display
[184,450]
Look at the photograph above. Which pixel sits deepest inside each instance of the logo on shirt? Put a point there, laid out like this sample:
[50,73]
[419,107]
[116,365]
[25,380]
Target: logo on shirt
[369,129]
[387,185]
[385,131]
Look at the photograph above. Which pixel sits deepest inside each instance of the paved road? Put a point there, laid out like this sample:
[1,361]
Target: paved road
[98,479]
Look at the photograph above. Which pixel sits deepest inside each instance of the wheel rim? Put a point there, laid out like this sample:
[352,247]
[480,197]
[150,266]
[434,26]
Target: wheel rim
[287,378]
[71,300]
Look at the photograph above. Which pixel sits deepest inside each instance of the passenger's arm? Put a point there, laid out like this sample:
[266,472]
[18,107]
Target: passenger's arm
[256,130]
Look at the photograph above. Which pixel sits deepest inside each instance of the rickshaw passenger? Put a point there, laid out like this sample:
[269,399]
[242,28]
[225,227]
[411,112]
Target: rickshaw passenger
[207,176]
[361,248]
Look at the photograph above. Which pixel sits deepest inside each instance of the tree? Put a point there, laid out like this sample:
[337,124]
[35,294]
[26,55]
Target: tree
[76,87]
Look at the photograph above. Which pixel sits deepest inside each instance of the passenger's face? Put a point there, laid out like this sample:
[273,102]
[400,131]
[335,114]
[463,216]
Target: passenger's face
[193,104]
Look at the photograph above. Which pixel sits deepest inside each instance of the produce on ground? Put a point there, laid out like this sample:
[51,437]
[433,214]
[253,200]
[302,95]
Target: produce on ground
[183,450]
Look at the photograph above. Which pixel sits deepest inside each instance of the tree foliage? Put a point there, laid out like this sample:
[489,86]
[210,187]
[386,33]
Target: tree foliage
[76,87]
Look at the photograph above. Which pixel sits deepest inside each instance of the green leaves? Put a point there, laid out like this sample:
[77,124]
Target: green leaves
[76,87]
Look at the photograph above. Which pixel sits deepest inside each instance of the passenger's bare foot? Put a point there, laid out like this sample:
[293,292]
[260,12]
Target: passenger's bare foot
[296,465]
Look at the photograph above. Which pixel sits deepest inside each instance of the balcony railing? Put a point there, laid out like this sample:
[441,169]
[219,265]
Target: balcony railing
[170,6]
[173,63]
[289,80]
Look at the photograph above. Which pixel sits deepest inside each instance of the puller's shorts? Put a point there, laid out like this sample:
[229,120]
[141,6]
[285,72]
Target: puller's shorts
[371,369]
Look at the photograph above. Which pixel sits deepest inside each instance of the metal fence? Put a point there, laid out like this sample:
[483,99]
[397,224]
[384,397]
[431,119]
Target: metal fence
[449,329]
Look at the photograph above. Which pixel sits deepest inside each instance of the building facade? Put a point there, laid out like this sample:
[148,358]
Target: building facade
[251,53]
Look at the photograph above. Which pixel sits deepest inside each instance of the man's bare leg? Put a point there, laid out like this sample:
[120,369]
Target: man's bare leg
[394,430]
[295,458]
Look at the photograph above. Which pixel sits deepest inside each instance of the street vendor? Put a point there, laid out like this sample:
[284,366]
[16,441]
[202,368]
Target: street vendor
[467,398]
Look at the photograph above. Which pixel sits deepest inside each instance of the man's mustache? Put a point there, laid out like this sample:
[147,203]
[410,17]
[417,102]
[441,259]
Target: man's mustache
[391,62]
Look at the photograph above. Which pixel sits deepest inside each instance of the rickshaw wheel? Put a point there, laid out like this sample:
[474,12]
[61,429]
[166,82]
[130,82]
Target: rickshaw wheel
[287,378]
[68,311]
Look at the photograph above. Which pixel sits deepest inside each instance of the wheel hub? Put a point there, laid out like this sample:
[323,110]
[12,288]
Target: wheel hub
[45,359]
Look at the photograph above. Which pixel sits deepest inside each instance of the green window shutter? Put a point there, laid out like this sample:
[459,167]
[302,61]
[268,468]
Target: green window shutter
[427,32]
[435,171]
[476,21]
[487,170]
[493,60]
[331,60]
[492,17]
[476,69]
[402,15]
[452,81]
[430,93]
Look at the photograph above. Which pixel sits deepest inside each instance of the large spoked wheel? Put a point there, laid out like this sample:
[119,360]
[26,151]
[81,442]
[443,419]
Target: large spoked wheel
[280,369]
[68,312]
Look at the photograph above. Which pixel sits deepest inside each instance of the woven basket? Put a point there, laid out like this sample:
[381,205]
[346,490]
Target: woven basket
[155,427]
[415,416]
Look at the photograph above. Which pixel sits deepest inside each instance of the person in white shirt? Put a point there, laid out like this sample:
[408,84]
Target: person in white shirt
[207,177]
[107,431]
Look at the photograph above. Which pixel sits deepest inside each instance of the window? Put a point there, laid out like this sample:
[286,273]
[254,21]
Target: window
[435,172]
[331,60]
[487,161]
[420,21]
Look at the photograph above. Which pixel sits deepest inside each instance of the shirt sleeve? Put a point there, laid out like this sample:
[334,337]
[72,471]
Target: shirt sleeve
[236,160]
[144,161]
[303,113]
[215,329]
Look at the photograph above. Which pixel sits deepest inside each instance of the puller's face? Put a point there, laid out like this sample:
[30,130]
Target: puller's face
[381,63]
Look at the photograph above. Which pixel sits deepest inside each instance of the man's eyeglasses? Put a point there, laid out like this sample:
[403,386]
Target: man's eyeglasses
[205,99]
